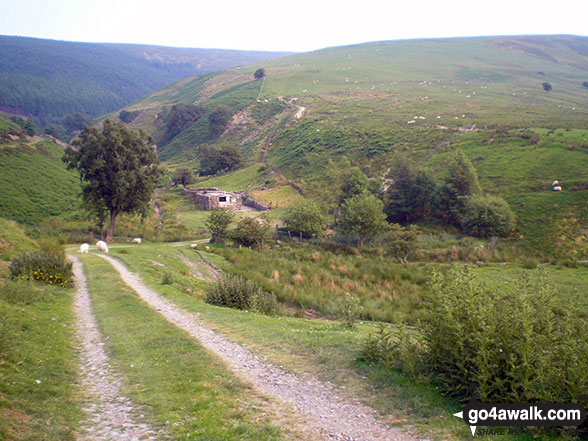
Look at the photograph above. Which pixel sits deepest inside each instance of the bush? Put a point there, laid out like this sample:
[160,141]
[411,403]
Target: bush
[517,345]
[252,232]
[306,219]
[239,293]
[398,348]
[350,310]
[487,216]
[47,267]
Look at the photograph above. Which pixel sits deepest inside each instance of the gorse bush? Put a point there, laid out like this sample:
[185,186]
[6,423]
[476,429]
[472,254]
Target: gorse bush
[43,266]
[239,293]
[517,345]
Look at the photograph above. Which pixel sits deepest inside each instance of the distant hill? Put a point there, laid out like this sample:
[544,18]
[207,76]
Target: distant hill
[49,79]
[360,104]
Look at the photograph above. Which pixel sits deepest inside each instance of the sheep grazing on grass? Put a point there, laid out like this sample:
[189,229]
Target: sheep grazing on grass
[101,245]
[137,240]
[84,248]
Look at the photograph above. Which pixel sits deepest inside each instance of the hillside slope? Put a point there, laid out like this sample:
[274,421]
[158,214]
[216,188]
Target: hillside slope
[34,182]
[49,79]
[363,103]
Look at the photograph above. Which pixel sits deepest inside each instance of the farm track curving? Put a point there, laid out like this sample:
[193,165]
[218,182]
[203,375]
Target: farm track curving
[326,415]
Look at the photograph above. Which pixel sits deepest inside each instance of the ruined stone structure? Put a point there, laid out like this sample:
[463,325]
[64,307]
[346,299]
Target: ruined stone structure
[211,198]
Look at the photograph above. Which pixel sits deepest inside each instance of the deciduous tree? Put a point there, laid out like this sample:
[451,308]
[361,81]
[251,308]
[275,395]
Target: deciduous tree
[118,169]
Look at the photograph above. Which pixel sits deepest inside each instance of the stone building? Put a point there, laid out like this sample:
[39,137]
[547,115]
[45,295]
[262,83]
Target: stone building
[211,198]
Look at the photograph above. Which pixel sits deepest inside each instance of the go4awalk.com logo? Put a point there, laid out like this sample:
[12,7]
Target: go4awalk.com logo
[540,414]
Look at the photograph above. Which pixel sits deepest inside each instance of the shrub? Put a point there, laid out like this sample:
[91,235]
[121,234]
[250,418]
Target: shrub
[167,278]
[517,345]
[252,232]
[217,223]
[350,310]
[43,266]
[239,293]
[306,219]
[398,348]
[487,216]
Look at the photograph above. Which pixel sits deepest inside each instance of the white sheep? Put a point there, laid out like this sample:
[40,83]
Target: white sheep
[137,240]
[101,245]
[84,248]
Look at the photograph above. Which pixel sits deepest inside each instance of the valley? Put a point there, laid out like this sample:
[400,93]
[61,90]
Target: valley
[416,254]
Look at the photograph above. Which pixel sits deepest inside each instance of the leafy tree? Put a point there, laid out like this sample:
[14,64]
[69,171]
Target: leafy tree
[546,86]
[118,169]
[259,74]
[76,121]
[400,242]
[412,195]
[487,216]
[128,116]
[461,181]
[182,176]
[219,119]
[55,130]
[354,182]
[218,222]
[306,219]
[363,218]
[182,116]
[215,160]
[252,231]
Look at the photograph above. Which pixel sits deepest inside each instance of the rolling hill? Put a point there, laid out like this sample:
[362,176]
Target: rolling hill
[363,103]
[48,79]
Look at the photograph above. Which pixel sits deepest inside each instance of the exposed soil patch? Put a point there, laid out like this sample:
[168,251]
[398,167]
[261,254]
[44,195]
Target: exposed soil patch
[326,415]
[110,415]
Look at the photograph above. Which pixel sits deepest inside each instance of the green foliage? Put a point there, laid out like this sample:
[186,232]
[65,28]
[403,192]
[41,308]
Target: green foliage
[412,194]
[362,218]
[512,345]
[213,160]
[118,169]
[182,176]
[398,348]
[252,231]
[128,116]
[49,267]
[354,182]
[259,74]
[167,278]
[182,116]
[487,216]
[239,293]
[400,242]
[461,182]
[218,119]
[306,218]
[217,223]
[350,310]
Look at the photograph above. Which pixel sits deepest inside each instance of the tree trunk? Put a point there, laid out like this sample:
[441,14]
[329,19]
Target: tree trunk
[110,231]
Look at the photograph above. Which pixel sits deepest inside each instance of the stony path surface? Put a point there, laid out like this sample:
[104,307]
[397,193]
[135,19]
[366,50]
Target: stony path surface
[110,416]
[328,416]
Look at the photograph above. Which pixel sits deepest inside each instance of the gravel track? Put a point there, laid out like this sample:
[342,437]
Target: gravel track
[110,415]
[326,414]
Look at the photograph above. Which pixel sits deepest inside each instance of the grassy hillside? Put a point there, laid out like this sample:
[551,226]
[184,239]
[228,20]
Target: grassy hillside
[49,79]
[361,104]
[34,183]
